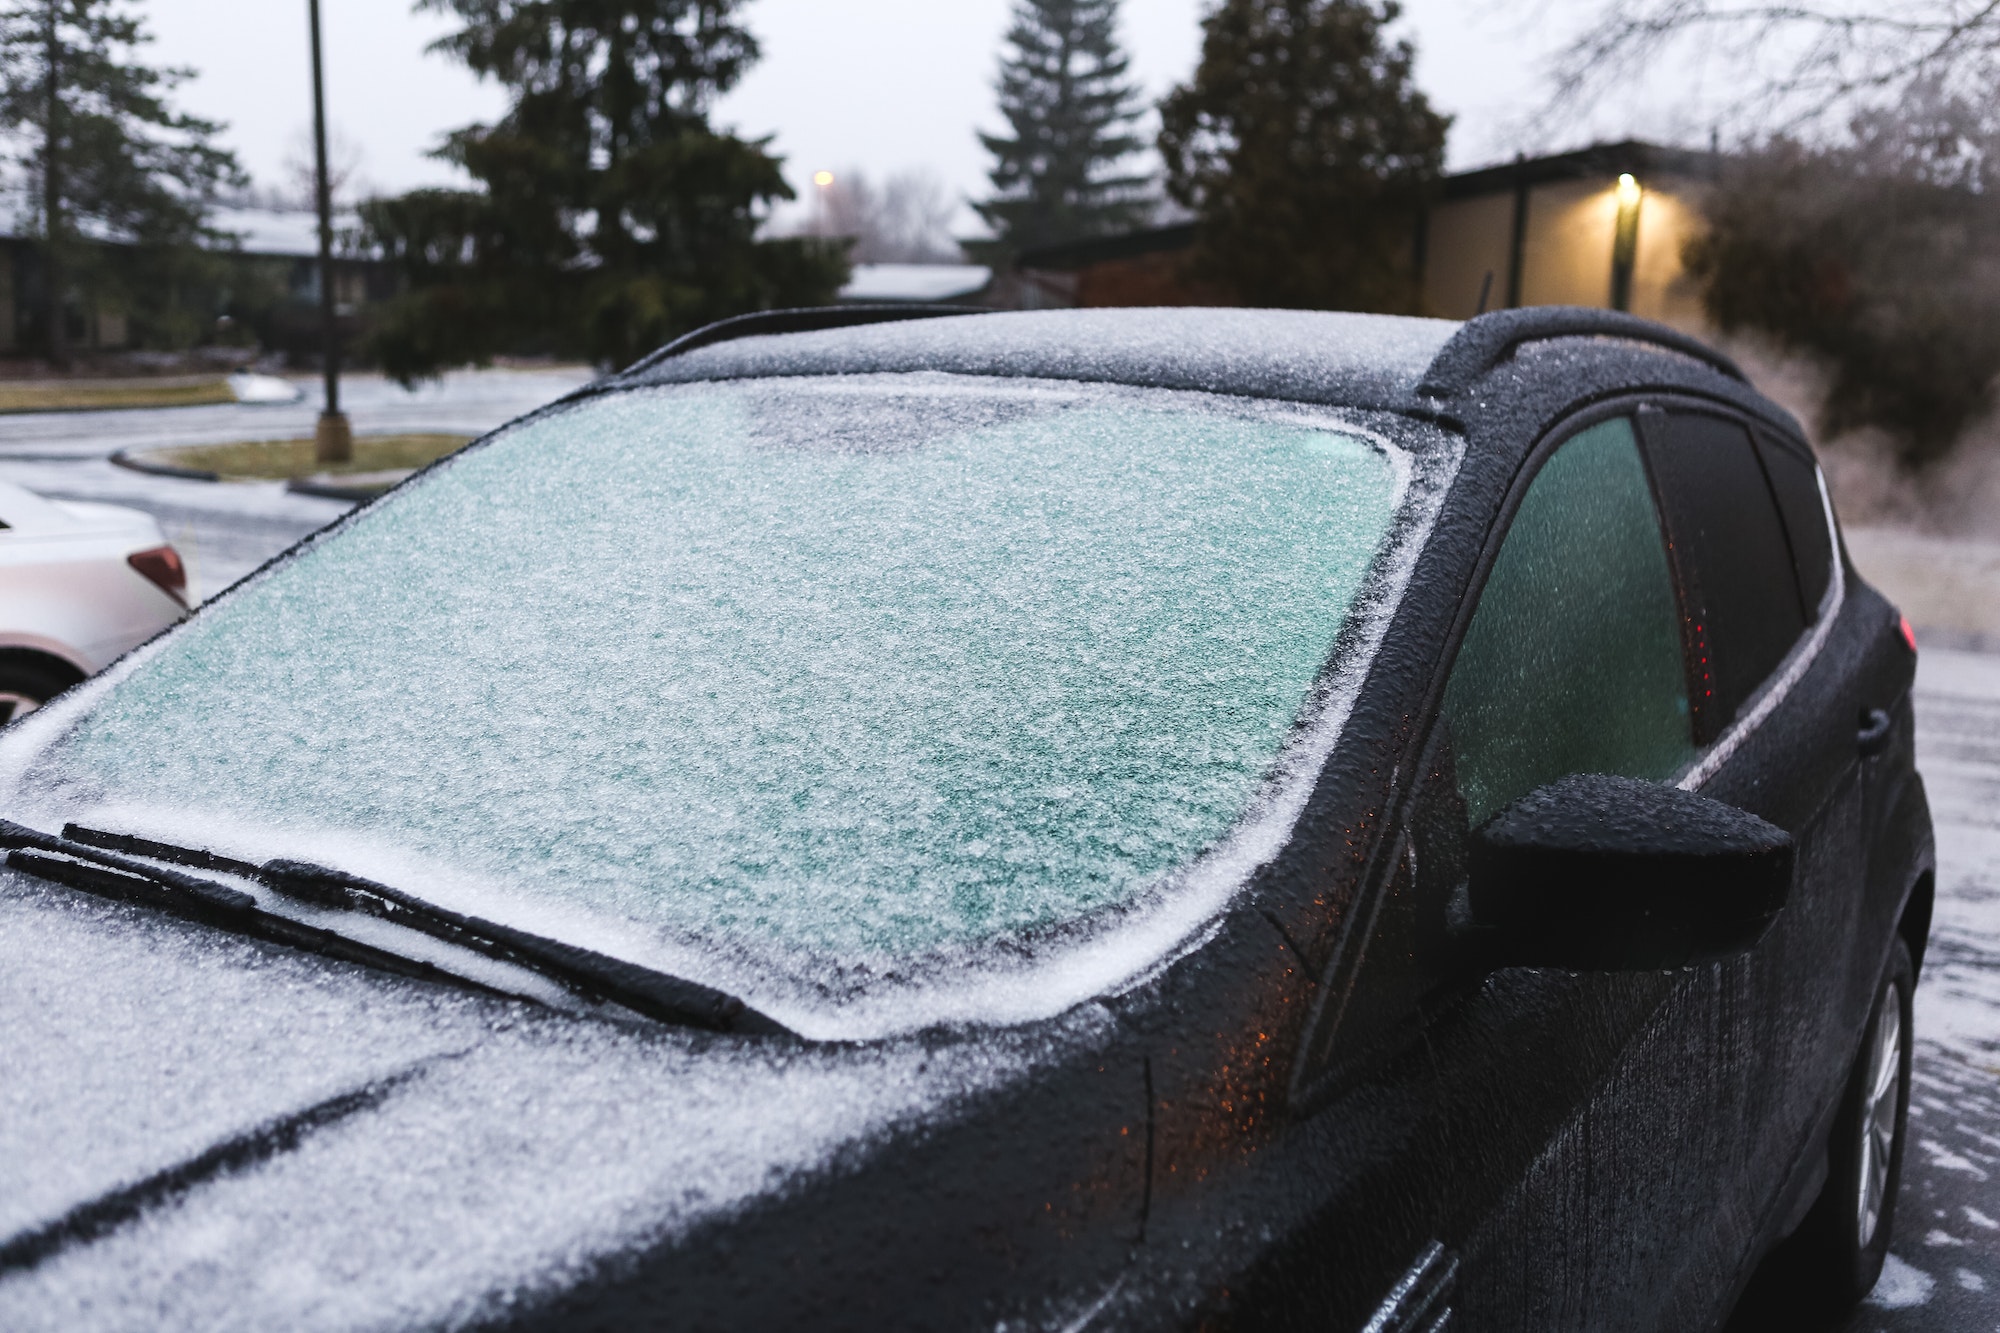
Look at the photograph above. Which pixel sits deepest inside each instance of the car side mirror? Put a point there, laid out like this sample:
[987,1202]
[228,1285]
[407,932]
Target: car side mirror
[1600,873]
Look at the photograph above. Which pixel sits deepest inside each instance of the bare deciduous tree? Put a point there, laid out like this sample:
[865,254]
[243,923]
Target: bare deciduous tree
[1795,62]
[904,220]
[344,157]
[1879,254]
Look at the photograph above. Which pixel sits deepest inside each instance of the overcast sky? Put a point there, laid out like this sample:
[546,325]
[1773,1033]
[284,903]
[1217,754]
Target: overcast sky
[885,85]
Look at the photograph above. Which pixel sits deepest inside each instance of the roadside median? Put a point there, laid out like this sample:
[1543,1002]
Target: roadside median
[83,394]
[379,462]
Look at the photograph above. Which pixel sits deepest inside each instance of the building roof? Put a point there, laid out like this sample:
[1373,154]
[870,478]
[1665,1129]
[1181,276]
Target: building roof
[1599,160]
[1611,159]
[285,233]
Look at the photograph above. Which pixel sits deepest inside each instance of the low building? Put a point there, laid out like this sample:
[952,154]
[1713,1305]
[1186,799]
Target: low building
[1139,268]
[267,285]
[1605,226]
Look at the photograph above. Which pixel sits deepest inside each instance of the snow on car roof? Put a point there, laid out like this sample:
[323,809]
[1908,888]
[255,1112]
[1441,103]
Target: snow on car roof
[1304,355]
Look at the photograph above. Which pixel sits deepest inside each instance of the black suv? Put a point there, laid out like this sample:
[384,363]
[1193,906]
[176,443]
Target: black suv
[1076,819]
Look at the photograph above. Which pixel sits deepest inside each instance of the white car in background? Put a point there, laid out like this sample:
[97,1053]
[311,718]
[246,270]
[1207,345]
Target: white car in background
[80,584]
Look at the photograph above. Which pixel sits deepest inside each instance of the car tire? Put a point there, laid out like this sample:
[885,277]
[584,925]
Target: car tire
[1835,1257]
[28,680]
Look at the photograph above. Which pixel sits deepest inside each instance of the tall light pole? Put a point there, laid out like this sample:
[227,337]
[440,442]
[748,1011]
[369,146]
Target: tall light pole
[333,440]
[52,192]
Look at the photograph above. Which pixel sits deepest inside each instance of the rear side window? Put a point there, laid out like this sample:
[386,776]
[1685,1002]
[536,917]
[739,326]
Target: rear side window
[1739,594]
[1572,662]
[1795,482]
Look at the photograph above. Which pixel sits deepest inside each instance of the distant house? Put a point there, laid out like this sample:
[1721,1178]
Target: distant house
[1137,269]
[1605,226]
[1546,231]
[269,283]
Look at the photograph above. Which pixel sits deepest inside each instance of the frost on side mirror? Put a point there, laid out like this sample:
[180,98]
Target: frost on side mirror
[1601,873]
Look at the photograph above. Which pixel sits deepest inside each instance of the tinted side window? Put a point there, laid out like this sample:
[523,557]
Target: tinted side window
[1737,586]
[1572,662]
[1795,481]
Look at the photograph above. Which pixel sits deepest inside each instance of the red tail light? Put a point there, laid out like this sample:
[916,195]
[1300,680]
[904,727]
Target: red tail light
[162,565]
[1909,635]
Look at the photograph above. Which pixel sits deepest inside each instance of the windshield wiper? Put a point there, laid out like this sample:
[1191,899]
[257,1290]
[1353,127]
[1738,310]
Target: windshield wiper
[78,865]
[594,976]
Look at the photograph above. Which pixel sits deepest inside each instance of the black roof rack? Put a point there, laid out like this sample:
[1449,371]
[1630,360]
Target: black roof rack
[1484,341]
[809,319]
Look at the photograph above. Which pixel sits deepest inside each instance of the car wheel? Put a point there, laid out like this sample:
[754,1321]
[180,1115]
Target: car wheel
[1839,1249]
[29,680]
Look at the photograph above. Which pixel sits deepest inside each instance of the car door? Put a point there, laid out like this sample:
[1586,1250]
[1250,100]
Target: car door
[1779,714]
[1589,1114]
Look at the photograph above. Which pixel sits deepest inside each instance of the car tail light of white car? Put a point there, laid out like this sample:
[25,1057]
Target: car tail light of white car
[162,564]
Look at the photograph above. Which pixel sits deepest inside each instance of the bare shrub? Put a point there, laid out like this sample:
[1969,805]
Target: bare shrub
[1958,496]
[1880,254]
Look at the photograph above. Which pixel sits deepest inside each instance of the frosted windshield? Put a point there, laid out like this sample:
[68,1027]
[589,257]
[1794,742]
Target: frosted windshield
[848,671]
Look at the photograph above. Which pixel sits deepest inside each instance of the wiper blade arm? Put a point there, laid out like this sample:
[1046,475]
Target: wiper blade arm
[658,995]
[79,865]
[159,851]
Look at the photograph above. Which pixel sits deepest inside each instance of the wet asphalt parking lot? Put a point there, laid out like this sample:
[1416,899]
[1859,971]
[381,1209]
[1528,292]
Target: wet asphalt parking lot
[1944,1273]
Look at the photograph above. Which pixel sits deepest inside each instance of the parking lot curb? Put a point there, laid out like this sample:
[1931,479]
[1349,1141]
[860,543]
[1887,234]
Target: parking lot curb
[123,458]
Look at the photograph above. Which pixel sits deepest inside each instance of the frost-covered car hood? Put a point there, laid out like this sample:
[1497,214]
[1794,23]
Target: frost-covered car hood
[198,1131]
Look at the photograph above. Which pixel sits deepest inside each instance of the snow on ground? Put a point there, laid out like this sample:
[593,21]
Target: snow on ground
[1945,1268]
[470,400]
[225,530]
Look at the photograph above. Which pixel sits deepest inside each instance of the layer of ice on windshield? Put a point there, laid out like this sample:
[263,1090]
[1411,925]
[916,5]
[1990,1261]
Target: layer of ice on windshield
[791,686]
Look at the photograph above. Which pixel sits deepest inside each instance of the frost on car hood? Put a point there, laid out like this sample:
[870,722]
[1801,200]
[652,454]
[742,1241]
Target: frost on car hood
[451,1157]
[804,689]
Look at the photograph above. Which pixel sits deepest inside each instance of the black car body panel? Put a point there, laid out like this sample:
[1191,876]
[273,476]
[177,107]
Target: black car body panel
[1325,1111]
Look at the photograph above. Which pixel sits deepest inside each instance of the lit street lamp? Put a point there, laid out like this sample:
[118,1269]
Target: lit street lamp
[1625,240]
[333,439]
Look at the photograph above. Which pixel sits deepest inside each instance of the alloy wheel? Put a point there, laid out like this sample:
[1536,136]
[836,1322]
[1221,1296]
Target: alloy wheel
[1878,1114]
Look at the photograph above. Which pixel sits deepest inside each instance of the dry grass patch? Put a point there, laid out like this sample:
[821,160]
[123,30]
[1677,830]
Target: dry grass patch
[102,395]
[280,460]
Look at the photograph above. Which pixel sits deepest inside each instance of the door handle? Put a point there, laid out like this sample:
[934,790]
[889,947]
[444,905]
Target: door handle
[1873,737]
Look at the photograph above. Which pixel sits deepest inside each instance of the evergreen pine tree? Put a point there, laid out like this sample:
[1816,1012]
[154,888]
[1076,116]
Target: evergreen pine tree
[1070,110]
[1307,153]
[107,158]
[610,216]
